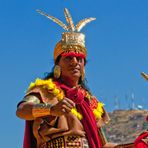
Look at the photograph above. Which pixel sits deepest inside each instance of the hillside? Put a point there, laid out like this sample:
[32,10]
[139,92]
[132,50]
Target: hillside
[126,125]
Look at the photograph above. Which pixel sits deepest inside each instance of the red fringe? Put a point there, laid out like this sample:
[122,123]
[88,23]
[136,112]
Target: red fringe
[74,54]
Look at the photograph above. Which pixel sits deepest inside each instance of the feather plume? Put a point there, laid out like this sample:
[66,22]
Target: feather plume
[69,20]
[83,22]
[60,23]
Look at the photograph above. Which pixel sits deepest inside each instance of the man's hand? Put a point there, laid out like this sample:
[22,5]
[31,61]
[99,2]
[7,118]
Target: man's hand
[62,107]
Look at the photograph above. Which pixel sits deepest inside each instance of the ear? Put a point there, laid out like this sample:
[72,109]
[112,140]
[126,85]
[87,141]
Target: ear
[57,71]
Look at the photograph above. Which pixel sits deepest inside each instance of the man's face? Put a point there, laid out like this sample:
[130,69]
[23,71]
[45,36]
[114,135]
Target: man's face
[71,66]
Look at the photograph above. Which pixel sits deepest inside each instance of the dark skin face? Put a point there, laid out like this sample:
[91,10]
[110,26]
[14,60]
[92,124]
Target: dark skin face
[71,68]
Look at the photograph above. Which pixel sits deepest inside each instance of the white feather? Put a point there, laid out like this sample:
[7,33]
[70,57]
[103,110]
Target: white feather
[60,23]
[69,20]
[83,22]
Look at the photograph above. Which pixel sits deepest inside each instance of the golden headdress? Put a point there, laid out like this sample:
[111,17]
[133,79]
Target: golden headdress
[73,42]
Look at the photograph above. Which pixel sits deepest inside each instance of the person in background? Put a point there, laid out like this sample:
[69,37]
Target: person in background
[142,140]
[60,111]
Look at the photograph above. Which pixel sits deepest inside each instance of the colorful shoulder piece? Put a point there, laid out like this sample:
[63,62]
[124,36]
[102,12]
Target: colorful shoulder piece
[97,108]
[49,85]
[53,89]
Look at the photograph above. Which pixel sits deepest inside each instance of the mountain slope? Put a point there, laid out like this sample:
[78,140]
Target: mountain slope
[126,125]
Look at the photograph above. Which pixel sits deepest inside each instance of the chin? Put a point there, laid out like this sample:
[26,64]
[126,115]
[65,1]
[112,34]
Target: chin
[76,73]
[76,76]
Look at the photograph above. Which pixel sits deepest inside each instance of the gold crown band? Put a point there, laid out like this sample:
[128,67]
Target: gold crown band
[73,38]
[68,48]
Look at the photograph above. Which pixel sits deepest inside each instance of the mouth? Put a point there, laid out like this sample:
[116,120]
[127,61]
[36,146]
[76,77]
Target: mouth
[75,69]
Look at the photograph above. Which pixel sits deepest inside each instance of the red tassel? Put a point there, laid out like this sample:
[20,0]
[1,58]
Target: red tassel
[74,54]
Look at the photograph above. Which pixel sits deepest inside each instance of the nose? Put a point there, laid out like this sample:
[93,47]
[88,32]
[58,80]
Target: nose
[74,61]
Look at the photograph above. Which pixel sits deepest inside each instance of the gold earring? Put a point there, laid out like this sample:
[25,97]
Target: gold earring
[83,74]
[57,71]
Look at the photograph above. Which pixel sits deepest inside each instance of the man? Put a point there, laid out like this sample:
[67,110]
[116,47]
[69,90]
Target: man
[59,110]
[142,140]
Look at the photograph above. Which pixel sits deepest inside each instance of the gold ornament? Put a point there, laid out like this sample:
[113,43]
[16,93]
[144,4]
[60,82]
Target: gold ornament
[72,36]
[57,71]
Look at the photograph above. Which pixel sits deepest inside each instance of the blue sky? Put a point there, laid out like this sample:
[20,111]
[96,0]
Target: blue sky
[117,44]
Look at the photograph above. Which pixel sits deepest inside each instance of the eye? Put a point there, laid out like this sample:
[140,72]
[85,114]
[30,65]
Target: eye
[79,59]
[68,58]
